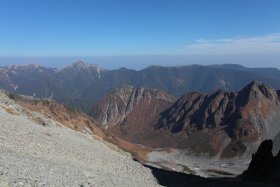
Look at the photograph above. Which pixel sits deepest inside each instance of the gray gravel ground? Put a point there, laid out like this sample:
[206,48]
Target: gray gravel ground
[36,155]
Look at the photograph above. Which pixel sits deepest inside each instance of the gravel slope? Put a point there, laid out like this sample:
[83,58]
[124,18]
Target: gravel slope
[36,155]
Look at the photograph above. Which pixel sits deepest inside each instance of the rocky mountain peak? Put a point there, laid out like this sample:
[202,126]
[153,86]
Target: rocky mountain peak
[83,65]
[241,117]
[258,89]
[256,85]
[79,63]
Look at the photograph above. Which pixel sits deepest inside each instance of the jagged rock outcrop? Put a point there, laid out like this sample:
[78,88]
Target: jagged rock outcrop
[264,166]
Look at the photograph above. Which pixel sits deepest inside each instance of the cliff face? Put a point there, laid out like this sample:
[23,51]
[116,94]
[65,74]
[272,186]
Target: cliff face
[121,103]
[131,112]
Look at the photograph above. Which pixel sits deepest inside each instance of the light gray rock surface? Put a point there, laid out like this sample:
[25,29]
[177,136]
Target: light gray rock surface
[36,155]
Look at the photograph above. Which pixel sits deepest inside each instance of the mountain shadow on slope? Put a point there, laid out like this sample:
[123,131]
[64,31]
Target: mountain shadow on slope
[264,166]
[176,179]
[264,170]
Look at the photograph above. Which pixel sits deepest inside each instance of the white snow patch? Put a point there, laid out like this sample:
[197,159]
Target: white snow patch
[16,87]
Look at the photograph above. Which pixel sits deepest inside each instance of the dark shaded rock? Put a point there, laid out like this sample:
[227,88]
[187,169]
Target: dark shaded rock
[264,167]
[262,162]
[177,179]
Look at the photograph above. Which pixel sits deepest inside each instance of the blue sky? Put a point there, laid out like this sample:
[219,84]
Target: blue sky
[187,31]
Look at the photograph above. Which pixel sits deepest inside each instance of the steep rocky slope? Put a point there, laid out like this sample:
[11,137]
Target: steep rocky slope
[131,112]
[115,107]
[227,121]
[224,124]
[65,115]
[46,153]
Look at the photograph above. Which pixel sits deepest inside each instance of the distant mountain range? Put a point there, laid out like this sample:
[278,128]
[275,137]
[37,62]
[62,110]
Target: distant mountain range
[82,85]
[225,124]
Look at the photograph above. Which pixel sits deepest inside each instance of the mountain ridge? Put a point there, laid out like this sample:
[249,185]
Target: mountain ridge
[223,123]
[82,85]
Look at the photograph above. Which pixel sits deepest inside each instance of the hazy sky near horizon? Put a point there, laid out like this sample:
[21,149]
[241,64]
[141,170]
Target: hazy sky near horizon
[137,33]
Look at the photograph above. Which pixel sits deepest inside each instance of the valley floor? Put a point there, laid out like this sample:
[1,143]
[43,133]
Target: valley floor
[184,161]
